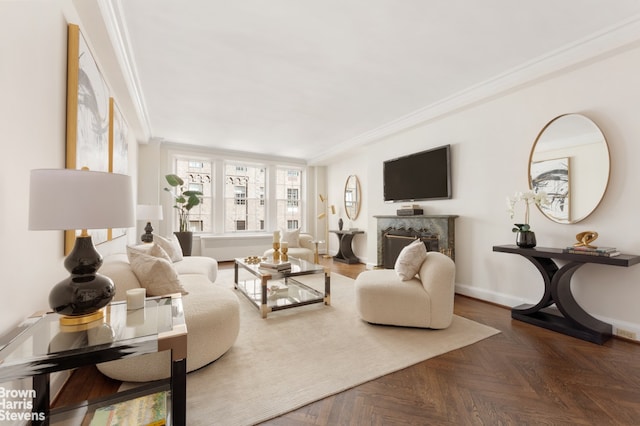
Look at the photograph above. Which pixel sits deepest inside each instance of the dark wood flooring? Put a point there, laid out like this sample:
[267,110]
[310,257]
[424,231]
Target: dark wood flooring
[523,376]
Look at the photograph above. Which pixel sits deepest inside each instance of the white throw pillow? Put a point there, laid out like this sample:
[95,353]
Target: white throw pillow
[292,238]
[171,246]
[410,259]
[152,249]
[156,274]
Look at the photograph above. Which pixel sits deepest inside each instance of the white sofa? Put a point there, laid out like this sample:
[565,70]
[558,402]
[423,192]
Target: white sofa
[212,316]
[425,300]
[304,249]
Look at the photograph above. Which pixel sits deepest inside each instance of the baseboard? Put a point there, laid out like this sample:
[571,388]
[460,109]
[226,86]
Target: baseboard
[621,329]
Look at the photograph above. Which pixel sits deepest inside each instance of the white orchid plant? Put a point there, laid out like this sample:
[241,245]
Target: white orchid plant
[528,197]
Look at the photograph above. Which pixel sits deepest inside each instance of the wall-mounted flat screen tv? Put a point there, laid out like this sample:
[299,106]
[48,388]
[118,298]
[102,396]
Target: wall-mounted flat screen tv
[425,175]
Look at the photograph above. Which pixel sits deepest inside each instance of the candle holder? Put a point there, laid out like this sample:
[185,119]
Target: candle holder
[276,251]
[284,248]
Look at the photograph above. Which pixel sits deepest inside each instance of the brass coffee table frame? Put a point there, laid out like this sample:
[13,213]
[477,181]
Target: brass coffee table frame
[299,267]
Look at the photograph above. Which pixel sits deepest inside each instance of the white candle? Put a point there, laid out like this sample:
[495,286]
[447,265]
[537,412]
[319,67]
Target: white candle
[135,298]
[276,236]
[284,246]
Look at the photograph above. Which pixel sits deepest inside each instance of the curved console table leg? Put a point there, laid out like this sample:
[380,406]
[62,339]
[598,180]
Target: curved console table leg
[548,269]
[566,303]
[574,321]
[567,316]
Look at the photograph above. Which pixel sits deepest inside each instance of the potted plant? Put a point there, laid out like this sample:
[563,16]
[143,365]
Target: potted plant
[525,237]
[184,201]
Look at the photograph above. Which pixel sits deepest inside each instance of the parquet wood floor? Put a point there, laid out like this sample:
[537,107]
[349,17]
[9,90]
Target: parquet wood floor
[523,376]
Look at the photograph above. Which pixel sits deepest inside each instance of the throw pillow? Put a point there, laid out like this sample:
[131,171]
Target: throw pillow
[171,246]
[410,259]
[292,238]
[151,249]
[156,274]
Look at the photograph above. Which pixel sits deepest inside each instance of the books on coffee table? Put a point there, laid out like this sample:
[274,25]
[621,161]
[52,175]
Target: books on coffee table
[276,266]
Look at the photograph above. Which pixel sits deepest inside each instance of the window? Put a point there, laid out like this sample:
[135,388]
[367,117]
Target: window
[240,195]
[292,197]
[197,175]
[251,197]
[244,197]
[288,190]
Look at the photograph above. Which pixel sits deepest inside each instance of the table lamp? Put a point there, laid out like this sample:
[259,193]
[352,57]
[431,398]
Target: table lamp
[67,199]
[148,212]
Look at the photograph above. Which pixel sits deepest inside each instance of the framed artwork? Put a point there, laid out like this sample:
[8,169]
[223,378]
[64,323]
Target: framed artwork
[552,177]
[118,151]
[88,117]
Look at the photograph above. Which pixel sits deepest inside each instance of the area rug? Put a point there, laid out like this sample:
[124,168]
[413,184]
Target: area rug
[298,356]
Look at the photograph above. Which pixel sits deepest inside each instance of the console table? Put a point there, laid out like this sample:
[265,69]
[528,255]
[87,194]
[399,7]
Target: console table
[571,318]
[345,252]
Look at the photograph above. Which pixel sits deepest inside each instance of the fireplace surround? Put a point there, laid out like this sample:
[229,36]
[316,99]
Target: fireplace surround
[395,232]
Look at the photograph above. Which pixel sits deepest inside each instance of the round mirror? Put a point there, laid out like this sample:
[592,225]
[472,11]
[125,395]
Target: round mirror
[570,162]
[352,197]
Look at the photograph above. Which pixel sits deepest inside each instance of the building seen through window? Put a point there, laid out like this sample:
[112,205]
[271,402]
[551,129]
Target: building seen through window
[249,194]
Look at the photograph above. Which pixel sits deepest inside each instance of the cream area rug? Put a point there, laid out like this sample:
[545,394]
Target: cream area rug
[298,356]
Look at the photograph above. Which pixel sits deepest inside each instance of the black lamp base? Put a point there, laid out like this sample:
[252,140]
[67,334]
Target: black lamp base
[147,237]
[83,294]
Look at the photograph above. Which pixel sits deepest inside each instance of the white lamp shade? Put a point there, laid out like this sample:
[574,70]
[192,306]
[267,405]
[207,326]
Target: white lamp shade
[66,199]
[148,212]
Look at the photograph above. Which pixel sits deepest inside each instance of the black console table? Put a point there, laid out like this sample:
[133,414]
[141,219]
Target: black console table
[571,318]
[345,252]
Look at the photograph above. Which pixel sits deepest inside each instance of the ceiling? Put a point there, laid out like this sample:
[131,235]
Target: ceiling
[307,79]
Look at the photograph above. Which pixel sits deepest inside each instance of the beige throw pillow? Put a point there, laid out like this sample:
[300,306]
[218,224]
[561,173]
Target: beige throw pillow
[292,238]
[152,249]
[171,246]
[410,259]
[156,274]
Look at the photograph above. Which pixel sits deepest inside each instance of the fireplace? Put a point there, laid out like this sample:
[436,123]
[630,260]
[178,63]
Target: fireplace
[394,240]
[396,232]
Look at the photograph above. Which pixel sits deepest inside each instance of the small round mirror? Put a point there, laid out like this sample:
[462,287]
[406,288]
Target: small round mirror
[352,197]
[570,162]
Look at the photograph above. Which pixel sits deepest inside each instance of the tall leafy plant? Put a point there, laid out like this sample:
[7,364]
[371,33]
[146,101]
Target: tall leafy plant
[184,201]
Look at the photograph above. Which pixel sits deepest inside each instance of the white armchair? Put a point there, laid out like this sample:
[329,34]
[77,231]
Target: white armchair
[304,249]
[423,301]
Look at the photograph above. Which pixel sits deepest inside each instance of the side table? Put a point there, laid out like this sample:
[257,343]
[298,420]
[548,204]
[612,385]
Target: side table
[40,346]
[345,252]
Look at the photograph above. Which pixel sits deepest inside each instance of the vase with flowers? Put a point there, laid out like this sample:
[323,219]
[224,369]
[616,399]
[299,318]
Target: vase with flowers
[525,237]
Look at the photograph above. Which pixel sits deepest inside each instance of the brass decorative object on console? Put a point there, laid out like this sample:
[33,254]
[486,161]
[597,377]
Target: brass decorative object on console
[585,239]
[284,248]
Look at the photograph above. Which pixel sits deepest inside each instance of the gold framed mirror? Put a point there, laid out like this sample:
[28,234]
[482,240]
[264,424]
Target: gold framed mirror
[352,197]
[570,162]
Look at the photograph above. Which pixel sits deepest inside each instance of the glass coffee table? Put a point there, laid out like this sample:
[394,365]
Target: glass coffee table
[271,290]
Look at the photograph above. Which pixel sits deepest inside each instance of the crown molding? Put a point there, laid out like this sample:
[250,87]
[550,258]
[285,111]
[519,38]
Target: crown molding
[611,40]
[113,17]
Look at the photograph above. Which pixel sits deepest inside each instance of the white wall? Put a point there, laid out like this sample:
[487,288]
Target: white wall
[33,42]
[491,142]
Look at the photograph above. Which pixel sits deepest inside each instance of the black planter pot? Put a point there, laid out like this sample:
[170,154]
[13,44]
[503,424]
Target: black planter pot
[526,239]
[186,241]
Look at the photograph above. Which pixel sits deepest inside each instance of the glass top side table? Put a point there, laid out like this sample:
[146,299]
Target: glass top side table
[41,345]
